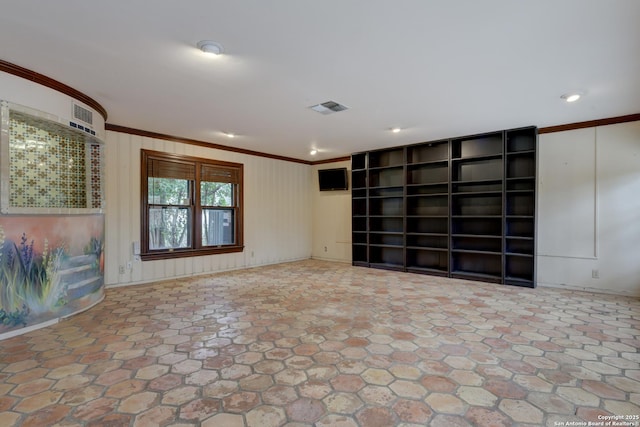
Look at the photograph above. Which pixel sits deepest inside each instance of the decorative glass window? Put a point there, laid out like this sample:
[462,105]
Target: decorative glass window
[48,167]
[191,206]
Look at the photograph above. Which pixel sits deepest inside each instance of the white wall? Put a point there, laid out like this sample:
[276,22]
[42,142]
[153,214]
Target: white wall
[277,212]
[331,218]
[589,209]
[24,92]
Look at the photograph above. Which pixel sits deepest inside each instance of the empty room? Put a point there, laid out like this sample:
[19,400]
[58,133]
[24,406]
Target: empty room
[294,213]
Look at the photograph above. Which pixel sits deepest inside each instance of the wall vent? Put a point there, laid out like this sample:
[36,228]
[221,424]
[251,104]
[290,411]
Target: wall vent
[82,114]
[328,107]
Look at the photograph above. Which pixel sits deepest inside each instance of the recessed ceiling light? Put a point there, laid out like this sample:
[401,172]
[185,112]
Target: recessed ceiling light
[313,152]
[230,135]
[571,97]
[210,47]
[396,130]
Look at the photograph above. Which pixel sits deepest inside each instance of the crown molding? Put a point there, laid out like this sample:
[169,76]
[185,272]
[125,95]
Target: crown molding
[43,80]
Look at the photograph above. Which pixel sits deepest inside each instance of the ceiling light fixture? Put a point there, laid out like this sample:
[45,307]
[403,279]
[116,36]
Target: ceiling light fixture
[230,135]
[396,130]
[210,47]
[571,97]
[313,152]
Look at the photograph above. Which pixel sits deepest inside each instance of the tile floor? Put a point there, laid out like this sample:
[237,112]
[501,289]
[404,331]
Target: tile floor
[321,344]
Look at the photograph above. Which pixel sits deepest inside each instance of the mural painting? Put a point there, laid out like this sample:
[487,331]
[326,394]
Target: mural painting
[50,267]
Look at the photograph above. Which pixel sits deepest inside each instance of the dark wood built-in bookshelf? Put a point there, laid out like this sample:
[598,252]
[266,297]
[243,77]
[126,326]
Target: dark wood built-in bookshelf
[462,207]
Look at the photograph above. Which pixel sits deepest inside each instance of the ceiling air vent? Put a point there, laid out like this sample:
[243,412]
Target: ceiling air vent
[328,107]
[82,114]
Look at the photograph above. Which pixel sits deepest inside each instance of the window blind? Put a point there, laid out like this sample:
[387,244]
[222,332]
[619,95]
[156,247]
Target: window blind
[158,168]
[214,173]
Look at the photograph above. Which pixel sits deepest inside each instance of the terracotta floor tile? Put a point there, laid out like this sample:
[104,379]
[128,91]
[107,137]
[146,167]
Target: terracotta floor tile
[220,389]
[80,396]
[299,362]
[6,403]
[305,410]
[165,382]
[226,420]
[621,407]
[95,409]
[376,417]
[25,376]
[290,377]
[578,396]
[113,377]
[477,396]
[138,402]
[408,389]
[551,403]
[47,416]
[482,417]
[603,390]
[200,409]
[504,389]
[466,377]
[314,389]
[111,420]
[266,416]
[12,419]
[412,411]
[279,395]
[314,343]
[438,384]
[240,402]
[377,395]
[343,403]
[350,383]
[181,395]
[102,367]
[269,366]
[521,411]
[156,416]
[336,420]
[32,387]
[151,372]
[38,401]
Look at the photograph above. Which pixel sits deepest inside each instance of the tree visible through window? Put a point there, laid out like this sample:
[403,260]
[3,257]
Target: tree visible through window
[191,206]
[169,215]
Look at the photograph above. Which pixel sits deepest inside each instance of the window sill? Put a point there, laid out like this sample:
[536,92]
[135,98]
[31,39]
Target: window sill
[51,211]
[185,253]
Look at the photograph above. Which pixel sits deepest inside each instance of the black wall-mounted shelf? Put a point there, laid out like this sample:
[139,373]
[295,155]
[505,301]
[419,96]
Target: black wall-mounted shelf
[462,207]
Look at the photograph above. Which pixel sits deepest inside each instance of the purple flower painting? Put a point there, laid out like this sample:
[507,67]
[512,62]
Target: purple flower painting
[50,267]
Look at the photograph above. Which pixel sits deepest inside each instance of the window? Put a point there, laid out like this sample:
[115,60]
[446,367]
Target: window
[48,167]
[191,206]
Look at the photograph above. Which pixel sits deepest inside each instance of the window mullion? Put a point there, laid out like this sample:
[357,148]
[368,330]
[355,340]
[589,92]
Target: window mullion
[197,210]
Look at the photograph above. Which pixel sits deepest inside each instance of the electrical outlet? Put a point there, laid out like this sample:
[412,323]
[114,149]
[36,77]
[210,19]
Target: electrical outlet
[595,274]
[129,265]
[325,249]
[121,269]
[251,254]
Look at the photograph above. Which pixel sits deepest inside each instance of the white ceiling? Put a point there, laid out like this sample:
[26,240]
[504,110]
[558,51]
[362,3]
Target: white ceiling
[436,68]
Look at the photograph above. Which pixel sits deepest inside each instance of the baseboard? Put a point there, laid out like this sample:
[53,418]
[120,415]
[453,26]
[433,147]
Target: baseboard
[630,294]
[203,273]
[340,260]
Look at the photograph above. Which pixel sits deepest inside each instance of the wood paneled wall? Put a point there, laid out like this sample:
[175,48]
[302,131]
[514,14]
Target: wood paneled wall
[277,212]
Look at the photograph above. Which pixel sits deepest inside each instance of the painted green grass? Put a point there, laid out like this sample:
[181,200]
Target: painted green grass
[28,280]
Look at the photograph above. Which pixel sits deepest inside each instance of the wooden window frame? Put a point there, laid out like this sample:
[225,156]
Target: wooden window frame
[196,248]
